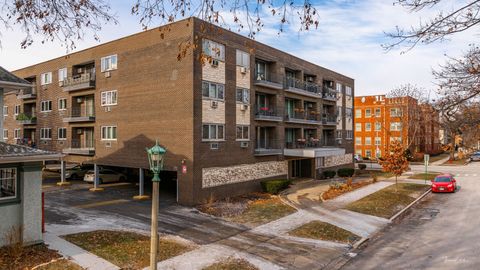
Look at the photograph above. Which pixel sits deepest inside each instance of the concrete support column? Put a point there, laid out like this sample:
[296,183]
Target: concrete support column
[96,180]
[141,186]
[62,174]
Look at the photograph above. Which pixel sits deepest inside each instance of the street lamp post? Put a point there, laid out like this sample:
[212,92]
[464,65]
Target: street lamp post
[155,159]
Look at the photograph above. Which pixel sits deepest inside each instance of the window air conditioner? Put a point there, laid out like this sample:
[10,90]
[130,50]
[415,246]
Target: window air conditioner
[214,104]
[60,83]
[108,109]
[243,70]
[107,74]
[214,146]
[244,107]
[214,63]
[244,144]
[108,144]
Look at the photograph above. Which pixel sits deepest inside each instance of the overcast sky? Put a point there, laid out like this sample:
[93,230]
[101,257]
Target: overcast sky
[348,41]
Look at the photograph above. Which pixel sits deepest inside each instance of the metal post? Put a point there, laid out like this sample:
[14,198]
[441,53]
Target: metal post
[141,186]
[96,179]
[62,174]
[154,233]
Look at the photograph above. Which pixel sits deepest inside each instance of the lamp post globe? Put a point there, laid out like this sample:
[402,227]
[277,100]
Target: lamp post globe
[155,159]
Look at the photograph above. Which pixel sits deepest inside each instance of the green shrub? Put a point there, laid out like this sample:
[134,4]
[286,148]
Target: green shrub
[275,186]
[329,174]
[362,166]
[345,172]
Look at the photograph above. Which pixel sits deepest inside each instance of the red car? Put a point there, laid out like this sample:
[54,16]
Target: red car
[444,183]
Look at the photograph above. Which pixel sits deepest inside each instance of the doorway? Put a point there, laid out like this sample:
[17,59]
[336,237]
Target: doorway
[300,168]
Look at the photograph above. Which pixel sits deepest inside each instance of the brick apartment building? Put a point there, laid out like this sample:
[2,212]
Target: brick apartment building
[380,120]
[252,113]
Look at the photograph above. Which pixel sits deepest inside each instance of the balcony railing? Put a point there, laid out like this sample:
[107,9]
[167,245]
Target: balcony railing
[329,141]
[304,143]
[80,147]
[329,93]
[78,114]
[28,93]
[303,117]
[26,119]
[268,147]
[79,82]
[269,80]
[329,120]
[268,114]
[302,87]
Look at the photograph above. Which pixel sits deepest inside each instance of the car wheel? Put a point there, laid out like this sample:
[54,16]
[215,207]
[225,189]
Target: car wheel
[74,176]
[121,179]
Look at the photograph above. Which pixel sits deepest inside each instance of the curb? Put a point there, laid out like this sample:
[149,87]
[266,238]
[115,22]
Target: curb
[410,205]
[360,242]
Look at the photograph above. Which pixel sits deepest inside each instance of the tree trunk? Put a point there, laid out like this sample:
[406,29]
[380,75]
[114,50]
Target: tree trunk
[396,183]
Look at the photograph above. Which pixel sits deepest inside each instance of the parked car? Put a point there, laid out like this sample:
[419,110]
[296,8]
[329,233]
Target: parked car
[77,172]
[105,176]
[475,156]
[444,183]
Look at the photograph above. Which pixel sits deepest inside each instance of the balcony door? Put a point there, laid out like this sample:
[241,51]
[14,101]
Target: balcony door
[261,71]
[289,107]
[89,139]
[89,106]
[262,101]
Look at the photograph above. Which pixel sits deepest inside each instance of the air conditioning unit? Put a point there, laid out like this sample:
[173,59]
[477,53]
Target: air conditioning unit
[108,109]
[108,144]
[214,146]
[214,104]
[244,144]
[214,63]
[244,107]
[243,70]
[107,74]
[60,83]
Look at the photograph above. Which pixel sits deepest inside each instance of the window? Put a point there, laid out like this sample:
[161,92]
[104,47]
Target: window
[8,184]
[358,126]
[339,113]
[108,63]
[17,110]
[348,112]
[62,104]
[109,98]
[395,112]
[378,112]
[46,78]
[339,134]
[358,141]
[349,134]
[212,132]
[368,140]
[62,74]
[109,133]
[5,134]
[358,113]
[46,106]
[392,139]
[378,126]
[378,141]
[62,134]
[348,90]
[213,90]
[395,126]
[16,133]
[339,87]
[213,49]
[368,153]
[5,110]
[243,59]
[45,134]
[368,113]
[368,126]
[243,133]
[243,95]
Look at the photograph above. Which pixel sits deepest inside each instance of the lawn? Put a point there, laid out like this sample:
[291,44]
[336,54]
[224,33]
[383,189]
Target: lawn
[388,201]
[231,264]
[127,250]
[60,265]
[456,162]
[337,190]
[324,231]
[430,176]
[17,257]
[368,172]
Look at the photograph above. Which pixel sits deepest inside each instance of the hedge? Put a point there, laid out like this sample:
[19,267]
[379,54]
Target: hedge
[362,166]
[275,186]
[345,172]
[329,174]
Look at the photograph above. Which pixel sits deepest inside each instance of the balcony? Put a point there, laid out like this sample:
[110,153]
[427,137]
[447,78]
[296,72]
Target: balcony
[303,118]
[313,148]
[268,80]
[268,147]
[297,86]
[24,119]
[267,114]
[79,82]
[329,94]
[79,147]
[78,114]
[28,94]
[329,120]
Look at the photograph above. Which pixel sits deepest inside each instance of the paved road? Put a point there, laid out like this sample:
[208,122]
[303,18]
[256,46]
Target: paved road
[443,232]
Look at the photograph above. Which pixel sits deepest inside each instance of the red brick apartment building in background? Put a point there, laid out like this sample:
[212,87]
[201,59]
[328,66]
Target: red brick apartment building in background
[380,120]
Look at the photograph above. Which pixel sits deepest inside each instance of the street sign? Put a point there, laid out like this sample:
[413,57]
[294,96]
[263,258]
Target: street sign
[426,159]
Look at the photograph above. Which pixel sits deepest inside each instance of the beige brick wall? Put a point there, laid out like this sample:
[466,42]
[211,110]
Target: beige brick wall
[218,176]
[243,79]
[340,103]
[213,115]
[243,116]
[214,74]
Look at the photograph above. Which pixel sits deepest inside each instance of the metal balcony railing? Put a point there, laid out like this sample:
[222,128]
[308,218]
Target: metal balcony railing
[80,81]
[268,147]
[329,141]
[303,116]
[329,119]
[329,93]
[78,114]
[80,147]
[309,87]
[270,80]
[267,113]
[304,143]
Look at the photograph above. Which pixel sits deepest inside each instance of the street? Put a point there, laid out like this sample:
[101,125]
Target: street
[440,233]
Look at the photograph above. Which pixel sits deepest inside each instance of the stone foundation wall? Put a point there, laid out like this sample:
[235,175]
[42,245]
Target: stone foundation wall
[217,176]
[338,160]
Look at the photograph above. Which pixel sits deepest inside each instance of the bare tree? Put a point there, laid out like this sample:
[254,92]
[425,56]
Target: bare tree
[68,21]
[444,24]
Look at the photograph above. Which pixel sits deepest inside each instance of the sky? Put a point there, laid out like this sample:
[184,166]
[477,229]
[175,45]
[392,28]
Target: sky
[348,40]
